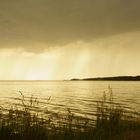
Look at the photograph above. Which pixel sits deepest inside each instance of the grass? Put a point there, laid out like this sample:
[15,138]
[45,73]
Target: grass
[26,121]
[113,119]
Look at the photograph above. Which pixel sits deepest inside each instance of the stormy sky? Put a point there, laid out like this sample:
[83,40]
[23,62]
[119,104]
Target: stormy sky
[62,39]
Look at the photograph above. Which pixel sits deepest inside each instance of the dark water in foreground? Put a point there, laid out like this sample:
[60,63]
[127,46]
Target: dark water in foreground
[80,96]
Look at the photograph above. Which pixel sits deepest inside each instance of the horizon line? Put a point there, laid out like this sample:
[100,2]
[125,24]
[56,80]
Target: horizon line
[67,79]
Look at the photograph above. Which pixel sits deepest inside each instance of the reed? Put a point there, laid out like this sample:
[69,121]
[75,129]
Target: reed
[113,119]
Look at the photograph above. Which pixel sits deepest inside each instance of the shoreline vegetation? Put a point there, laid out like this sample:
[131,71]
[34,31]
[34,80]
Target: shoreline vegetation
[117,78]
[26,121]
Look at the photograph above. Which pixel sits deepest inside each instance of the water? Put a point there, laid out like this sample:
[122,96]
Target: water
[79,96]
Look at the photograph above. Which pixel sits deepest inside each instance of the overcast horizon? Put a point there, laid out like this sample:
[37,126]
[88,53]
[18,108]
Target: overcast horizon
[65,39]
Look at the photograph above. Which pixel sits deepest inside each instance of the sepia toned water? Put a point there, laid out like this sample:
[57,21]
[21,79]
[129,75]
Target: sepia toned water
[79,96]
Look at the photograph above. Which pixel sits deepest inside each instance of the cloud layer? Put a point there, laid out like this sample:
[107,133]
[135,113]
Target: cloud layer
[37,24]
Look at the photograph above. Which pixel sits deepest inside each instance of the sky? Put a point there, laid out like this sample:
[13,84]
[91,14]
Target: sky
[64,39]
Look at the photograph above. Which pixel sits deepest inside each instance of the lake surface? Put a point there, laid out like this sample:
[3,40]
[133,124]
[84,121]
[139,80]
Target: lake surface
[79,96]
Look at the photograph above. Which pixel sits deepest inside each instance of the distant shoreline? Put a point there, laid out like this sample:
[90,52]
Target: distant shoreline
[116,78]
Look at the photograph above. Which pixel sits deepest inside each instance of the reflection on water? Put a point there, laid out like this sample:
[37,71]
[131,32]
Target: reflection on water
[80,96]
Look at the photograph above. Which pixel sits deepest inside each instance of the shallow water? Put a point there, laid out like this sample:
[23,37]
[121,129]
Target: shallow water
[79,96]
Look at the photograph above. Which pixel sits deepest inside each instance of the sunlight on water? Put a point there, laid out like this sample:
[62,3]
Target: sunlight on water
[80,96]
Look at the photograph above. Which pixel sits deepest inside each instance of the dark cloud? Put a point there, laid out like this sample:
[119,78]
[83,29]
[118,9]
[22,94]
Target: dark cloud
[53,22]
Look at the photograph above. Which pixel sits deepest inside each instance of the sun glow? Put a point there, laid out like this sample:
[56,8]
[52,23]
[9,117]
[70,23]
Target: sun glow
[20,65]
[38,75]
